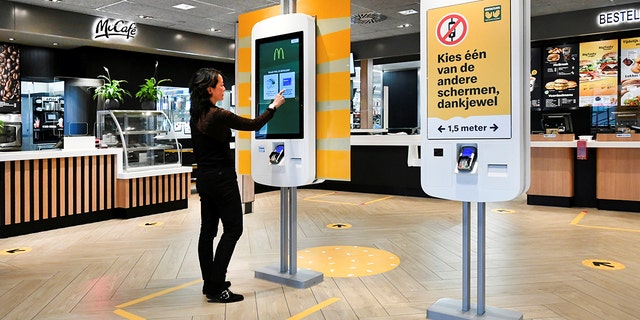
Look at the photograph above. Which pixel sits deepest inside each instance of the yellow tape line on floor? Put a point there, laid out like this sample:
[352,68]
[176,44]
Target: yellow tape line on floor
[313,309]
[157,294]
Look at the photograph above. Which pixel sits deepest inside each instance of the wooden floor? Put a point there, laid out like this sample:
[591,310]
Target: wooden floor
[147,268]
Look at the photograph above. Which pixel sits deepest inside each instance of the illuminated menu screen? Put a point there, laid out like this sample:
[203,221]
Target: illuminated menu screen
[560,76]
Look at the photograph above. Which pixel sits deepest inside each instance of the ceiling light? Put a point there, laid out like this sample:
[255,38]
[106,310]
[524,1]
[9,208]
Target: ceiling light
[183,6]
[54,43]
[405,25]
[215,30]
[145,17]
[407,12]
[12,39]
[54,0]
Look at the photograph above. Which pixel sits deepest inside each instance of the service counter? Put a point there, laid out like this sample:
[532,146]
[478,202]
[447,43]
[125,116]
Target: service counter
[49,189]
[608,179]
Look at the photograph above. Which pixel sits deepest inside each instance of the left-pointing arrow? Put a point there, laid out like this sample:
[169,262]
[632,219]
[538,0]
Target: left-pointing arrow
[603,263]
[15,250]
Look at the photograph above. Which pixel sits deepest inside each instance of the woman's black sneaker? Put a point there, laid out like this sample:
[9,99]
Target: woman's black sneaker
[225,296]
[205,289]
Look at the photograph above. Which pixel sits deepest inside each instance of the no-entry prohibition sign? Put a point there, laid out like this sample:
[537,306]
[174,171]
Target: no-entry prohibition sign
[452,29]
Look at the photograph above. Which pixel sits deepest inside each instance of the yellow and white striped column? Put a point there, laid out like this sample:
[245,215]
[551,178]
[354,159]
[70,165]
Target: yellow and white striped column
[333,45]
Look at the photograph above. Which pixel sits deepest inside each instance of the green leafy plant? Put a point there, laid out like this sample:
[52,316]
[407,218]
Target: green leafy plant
[110,89]
[1,126]
[149,90]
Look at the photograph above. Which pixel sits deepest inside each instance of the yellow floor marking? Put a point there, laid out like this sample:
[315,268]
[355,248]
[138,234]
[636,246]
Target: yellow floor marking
[157,294]
[127,315]
[339,226]
[314,199]
[320,195]
[603,264]
[334,202]
[14,251]
[503,210]
[577,219]
[314,309]
[376,200]
[347,261]
[608,228]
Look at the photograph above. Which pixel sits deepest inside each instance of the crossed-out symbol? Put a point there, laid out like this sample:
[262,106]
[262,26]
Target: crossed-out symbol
[452,29]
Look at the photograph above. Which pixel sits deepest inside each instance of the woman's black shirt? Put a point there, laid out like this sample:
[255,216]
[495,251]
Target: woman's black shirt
[212,137]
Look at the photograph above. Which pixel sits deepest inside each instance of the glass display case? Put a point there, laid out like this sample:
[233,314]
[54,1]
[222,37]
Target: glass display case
[146,137]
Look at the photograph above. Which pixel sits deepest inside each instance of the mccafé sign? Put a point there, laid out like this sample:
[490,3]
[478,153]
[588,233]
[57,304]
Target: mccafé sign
[107,28]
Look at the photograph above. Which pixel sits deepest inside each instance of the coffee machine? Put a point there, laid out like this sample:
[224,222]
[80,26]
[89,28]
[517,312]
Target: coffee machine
[48,119]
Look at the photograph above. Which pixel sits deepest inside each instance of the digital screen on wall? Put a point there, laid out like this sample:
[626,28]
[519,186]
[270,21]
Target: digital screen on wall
[279,61]
[535,78]
[598,72]
[630,72]
[560,76]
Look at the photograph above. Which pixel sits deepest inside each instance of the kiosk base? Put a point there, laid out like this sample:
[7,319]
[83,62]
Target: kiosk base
[302,279]
[451,309]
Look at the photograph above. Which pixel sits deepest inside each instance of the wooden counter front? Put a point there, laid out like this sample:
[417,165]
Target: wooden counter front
[552,170]
[618,172]
[44,190]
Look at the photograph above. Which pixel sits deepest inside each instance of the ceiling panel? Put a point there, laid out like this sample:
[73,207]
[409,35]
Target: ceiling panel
[222,14]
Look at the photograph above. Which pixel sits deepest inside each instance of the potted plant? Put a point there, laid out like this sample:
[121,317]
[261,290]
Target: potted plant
[149,94]
[110,91]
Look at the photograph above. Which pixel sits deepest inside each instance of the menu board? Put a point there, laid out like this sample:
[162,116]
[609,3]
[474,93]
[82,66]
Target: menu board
[560,76]
[599,73]
[630,72]
[535,79]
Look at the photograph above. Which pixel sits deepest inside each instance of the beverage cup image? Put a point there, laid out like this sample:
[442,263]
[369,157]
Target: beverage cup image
[532,83]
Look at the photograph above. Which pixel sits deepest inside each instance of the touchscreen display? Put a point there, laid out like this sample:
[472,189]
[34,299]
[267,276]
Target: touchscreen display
[279,67]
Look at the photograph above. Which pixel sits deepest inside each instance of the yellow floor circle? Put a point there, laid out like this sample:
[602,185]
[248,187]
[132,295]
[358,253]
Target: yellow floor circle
[347,261]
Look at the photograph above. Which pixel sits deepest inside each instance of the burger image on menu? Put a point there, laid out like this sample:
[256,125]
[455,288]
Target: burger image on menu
[588,71]
[608,65]
[560,85]
[630,92]
[554,54]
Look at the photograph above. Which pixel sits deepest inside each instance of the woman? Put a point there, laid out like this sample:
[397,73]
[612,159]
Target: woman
[217,181]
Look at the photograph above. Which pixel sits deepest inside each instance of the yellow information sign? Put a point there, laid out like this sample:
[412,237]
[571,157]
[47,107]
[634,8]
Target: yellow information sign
[469,71]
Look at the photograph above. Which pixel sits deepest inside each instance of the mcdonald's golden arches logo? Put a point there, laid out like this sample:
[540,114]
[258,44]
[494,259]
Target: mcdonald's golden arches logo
[278,54]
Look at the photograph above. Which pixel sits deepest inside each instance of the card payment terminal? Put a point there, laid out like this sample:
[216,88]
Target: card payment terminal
[276,156]
[467,158]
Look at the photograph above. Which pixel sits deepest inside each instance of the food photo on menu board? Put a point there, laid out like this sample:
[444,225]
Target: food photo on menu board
[599,73]
[535,77]
[630,72]
[560,76]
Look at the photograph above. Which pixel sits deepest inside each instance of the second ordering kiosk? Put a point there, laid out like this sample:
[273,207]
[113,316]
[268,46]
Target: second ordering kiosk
[283,152]
[475,137]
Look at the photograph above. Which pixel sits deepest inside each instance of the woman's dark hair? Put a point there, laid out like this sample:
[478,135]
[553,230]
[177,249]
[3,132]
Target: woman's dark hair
[201,80]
